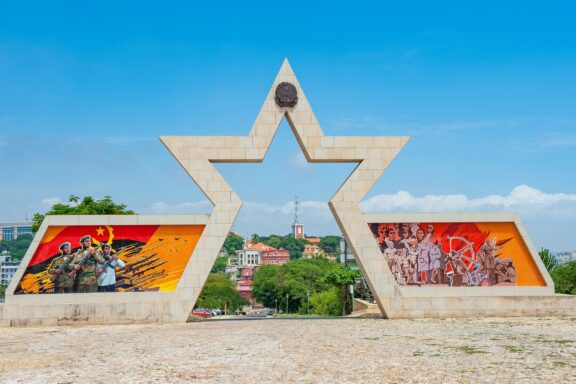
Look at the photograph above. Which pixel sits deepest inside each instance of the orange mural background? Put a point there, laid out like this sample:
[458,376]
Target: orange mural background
[516,249]
[155,255]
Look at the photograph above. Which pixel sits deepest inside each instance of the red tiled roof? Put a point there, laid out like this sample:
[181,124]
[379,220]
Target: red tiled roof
[244,288]
[260,247]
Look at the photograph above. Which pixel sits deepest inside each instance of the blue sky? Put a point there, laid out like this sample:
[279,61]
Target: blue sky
[487,91]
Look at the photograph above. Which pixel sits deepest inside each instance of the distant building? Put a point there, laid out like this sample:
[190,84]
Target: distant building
[11,231]
[5,257]
[232,267]
[275,256]
[346,256]
[297,228]
[565,257]
[311,251]
[249,259]
[7,268]
[244,288]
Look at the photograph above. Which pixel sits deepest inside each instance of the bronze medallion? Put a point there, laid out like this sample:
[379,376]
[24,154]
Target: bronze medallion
[286,95]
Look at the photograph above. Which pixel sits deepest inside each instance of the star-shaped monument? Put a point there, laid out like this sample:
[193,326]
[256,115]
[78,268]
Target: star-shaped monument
[286,99]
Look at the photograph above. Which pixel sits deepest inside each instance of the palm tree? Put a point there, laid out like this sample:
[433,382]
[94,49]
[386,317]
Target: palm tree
[549,259]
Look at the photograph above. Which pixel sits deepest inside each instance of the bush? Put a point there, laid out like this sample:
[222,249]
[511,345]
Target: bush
[326,303]
[564,276]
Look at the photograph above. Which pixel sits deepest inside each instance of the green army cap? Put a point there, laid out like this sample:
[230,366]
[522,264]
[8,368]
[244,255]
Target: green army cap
[84,238]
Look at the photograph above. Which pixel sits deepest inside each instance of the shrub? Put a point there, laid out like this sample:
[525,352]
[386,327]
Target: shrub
[326,303]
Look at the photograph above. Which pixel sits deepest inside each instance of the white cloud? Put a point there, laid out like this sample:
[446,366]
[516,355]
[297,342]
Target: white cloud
[543,143]
[50,201]
[548,216]
[262,218]
[417,128]
[524,199]
[187,207]
[299,160]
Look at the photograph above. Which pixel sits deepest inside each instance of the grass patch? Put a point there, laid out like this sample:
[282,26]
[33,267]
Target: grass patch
[370,338]
[560,364]
[557,341]
[469,350]
[511,348]
[418,353]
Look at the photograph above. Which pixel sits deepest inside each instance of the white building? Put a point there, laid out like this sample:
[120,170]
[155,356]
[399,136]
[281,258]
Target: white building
[7,268]
[248,258]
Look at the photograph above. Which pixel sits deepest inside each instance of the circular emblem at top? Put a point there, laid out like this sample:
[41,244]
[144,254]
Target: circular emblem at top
[286,95]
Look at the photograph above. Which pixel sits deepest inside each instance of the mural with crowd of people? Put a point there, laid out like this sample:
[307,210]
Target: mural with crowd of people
[456,254]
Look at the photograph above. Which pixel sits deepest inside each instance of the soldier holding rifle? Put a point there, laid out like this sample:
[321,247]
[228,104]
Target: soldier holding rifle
[84,266]
[106,274]
[60,270]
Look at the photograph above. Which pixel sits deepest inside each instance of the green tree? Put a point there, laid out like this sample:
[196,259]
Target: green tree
[294,279]
[274,241]
[330,244]
[233,243]
[220,265]
[255,239]
[264,286]
[564,276]
[2,290]
[342,278]
[294,246]
[88,206]
[219,292]
[549,259]
[18,247]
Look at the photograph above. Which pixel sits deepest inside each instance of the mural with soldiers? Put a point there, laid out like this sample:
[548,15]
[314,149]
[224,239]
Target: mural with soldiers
[119,258]
[456,254]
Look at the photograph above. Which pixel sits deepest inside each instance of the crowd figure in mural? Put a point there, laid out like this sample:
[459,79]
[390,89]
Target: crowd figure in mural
[416,256]
[90,269]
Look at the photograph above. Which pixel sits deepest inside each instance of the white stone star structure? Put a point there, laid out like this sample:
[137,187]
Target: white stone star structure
[373,155]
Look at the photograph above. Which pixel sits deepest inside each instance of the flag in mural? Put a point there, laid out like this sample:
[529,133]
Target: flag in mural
[110,258]
[456,254]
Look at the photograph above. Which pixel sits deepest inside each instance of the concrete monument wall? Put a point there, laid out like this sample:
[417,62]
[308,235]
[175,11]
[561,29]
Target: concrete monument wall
[196,154]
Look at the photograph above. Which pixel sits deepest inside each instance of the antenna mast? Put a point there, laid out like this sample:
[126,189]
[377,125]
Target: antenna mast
[295,210]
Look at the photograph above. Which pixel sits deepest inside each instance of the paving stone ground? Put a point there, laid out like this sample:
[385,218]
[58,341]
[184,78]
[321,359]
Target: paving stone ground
[503,350]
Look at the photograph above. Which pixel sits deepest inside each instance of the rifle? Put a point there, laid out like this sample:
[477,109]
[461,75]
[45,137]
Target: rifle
[107,264]
[81,263]
[62,268]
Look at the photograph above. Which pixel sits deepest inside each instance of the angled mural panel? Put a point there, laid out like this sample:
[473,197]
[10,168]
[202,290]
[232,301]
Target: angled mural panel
[460,254]
[122,258]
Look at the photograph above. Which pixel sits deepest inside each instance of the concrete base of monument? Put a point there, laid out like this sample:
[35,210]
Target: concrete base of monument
[480,306]
[397,308]
[24,315]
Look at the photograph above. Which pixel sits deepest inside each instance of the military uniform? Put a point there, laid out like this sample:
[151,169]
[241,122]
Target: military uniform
[61,279]
[86,275]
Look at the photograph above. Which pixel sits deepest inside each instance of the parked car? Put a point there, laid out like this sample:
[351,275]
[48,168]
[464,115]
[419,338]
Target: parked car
[259,313]
[202,313]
